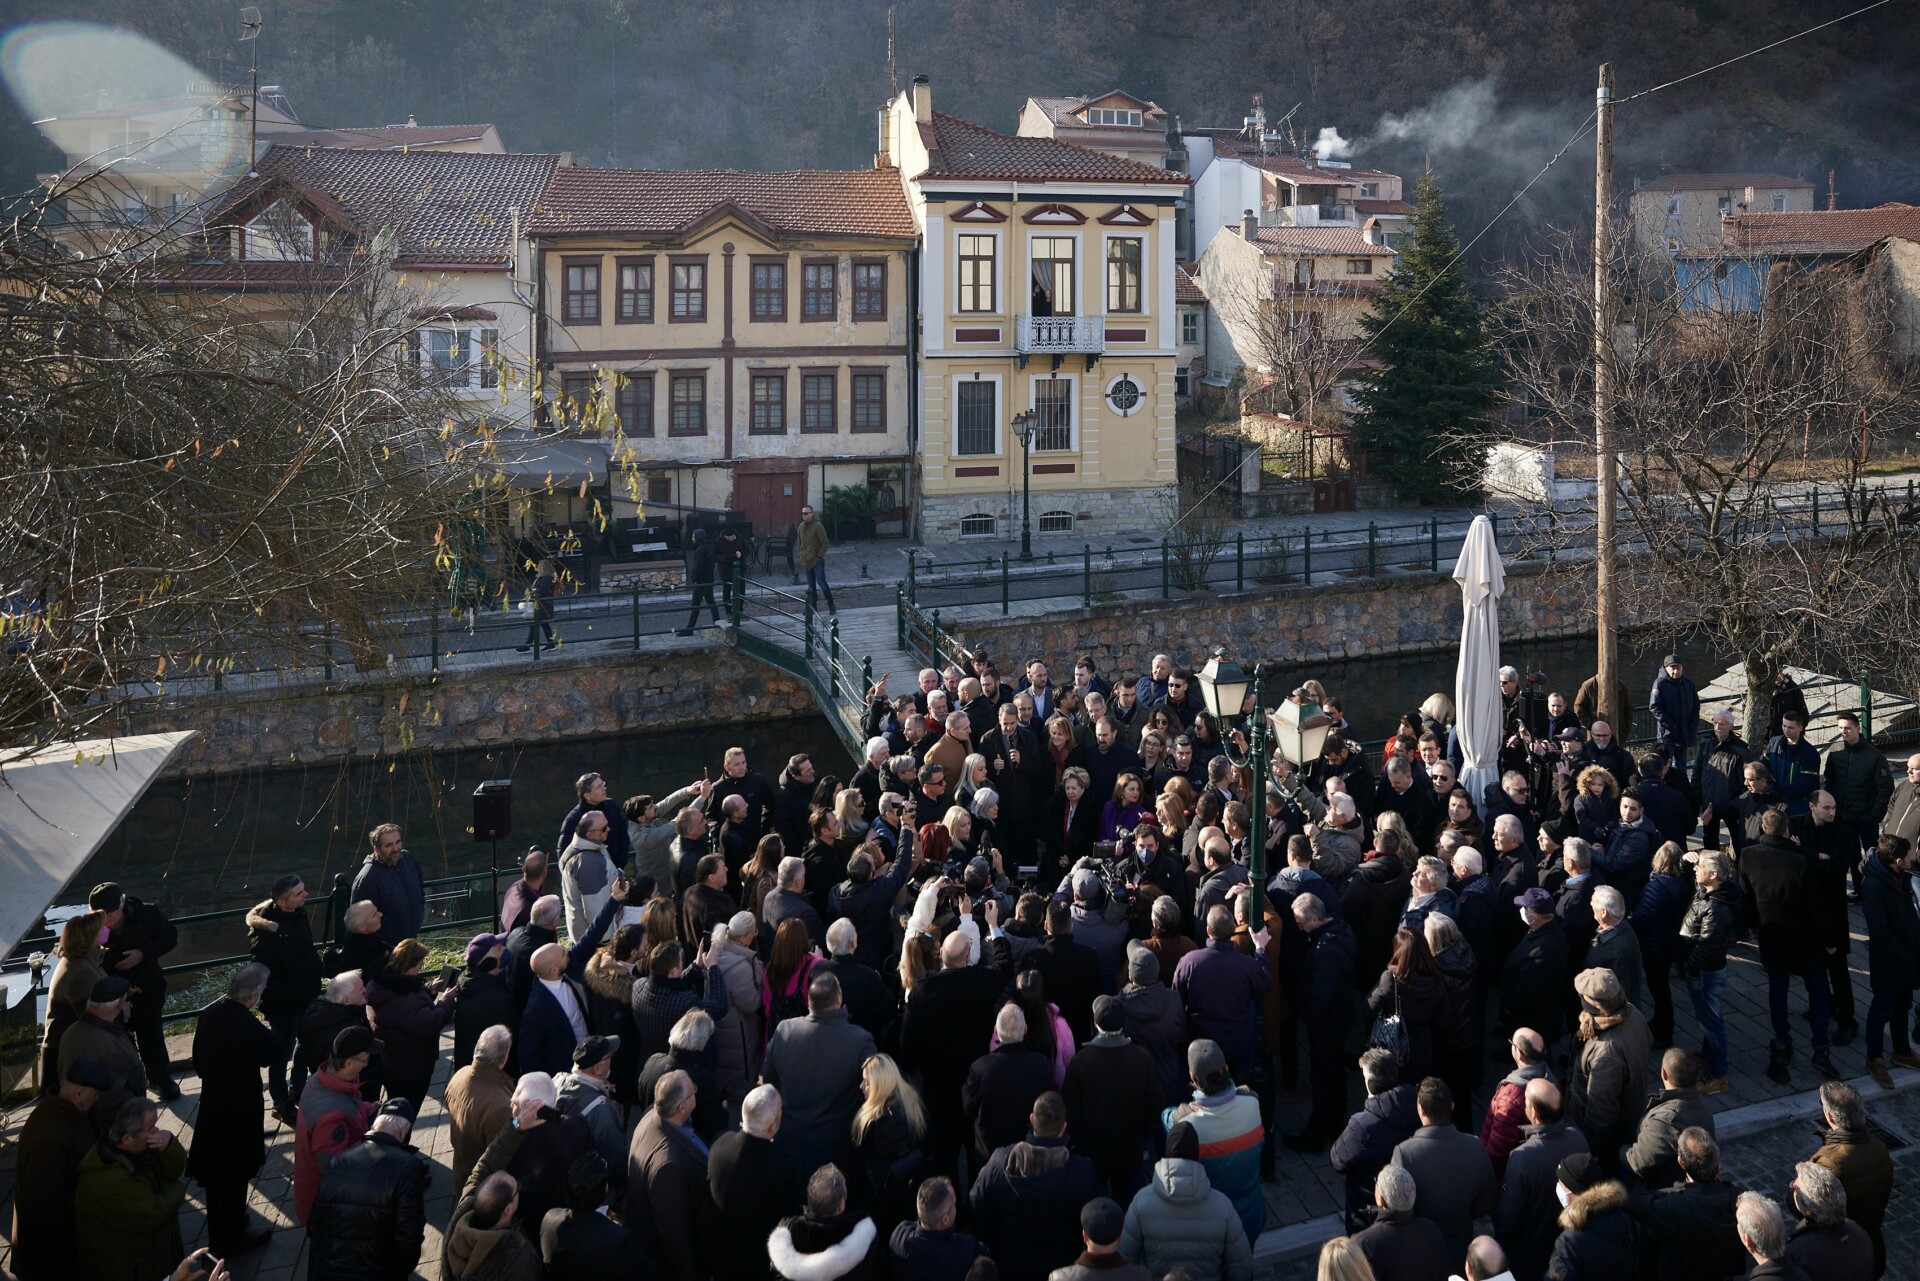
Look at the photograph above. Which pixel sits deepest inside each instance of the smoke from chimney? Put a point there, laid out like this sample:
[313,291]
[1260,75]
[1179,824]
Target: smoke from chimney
[1331,146]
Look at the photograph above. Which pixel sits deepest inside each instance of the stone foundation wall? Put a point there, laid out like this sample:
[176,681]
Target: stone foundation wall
[1331,620]
[1095,511]
[579,696]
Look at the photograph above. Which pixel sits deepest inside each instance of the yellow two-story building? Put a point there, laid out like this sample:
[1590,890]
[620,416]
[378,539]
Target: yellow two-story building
[1046,284]
[750,332]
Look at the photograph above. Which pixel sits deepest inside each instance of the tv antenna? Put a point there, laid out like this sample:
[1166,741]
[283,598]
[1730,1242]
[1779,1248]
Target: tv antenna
[893,72]
[250,24]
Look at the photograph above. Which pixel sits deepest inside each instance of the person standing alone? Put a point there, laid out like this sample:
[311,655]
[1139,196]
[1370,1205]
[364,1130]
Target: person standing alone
[810,544]
[700,581]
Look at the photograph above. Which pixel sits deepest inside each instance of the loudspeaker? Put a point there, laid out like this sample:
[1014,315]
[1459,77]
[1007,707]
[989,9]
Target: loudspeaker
[493,809]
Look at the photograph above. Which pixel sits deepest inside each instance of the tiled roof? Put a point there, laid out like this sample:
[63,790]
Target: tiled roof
[1820,231]
[663,202]
[448,206]
[378,137]
[1186,286]
[1721,182]
[1061,110]
[1329,241]
[1403,208]
[239,274]
[961,149]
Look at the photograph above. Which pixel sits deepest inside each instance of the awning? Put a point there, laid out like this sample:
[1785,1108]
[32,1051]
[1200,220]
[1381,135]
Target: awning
[553,464]
[58,805]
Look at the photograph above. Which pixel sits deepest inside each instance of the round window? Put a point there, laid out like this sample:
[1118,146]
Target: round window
[1124,394]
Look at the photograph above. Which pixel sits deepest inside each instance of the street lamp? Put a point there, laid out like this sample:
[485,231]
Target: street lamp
[1024,423]
[1223,686]
[1300,727]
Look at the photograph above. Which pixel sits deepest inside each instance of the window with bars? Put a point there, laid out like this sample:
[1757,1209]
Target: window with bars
[769,415]
[1123,274]
[689,409]
[634,304]
[869,402]
[818,281]
[689,302]
[633,403]
[769,300]
[976,524]
[1053,400]
[976,418]
[978,267]
[1056,522]
[581,290]
[869,290]
[818,392]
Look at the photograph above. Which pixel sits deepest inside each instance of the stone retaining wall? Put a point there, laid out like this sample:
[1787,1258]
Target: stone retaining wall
[579,696]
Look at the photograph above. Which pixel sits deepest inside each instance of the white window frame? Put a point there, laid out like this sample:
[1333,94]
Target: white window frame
[999,416]
[999,260]
[1673,204]
[1190,320]
[1369,191]
[1079,282]
[1123,117]
[1146,275]
[1073,406]
[991,531]
[1778,202]
[262,235]
[1040,522]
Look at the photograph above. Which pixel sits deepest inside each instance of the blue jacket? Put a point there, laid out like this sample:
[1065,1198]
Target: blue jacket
[545,1039]
[1656,919]
[1221,987]
[1363,1149]
[1675,705]
[1796,771]
[399,893]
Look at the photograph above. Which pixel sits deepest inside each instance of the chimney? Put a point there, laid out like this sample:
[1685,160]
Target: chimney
[922,100]
[1833,192]
[883,153]
[1249,226]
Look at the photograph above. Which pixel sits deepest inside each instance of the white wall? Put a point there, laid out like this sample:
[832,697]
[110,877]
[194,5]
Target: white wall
[1228,188]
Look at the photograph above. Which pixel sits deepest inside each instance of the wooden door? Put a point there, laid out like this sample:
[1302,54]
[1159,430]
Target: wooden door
[771,500]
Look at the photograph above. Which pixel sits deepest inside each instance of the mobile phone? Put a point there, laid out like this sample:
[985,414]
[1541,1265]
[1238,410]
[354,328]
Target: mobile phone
[449,974]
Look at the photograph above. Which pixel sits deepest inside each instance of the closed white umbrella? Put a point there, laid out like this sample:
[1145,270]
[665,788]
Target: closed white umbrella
[1476,681]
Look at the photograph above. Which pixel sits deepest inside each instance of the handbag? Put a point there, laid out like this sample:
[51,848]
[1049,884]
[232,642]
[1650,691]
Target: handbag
[1390,1032]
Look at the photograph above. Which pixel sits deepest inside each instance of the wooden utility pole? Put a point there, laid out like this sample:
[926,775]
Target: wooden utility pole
[1606,465]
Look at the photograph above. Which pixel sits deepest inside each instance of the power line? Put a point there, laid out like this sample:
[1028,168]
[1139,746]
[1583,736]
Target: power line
[1694,75]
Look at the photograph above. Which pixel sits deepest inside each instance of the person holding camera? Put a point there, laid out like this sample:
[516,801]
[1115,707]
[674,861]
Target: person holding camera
[407,1012]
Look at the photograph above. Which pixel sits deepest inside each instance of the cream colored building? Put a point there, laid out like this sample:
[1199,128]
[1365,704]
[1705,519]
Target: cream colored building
[750,333]
[1683,211]
[1047,283]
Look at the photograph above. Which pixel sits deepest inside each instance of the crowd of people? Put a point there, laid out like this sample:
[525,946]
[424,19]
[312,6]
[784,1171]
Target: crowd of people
[1008,1002]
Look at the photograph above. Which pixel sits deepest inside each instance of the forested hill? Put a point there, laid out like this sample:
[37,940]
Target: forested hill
[1484,90]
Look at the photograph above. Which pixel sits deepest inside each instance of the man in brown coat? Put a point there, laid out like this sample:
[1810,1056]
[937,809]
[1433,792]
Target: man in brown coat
[58,1133]
[1860,1160]
[667,1198]
[480,1100]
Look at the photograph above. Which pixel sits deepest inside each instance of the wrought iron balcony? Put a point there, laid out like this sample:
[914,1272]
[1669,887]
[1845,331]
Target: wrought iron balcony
[1060,335]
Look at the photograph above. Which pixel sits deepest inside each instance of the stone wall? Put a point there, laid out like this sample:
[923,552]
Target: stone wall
[578,696]
[1350,618]
[1095,511]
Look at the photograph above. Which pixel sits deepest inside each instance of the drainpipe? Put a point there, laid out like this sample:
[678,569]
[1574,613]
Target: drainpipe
[910,477]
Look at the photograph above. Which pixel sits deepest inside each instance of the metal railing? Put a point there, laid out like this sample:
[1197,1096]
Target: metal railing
[783,629]
[1067,334]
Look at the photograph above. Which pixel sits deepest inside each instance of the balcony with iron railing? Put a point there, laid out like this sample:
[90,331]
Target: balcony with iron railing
[1059,335]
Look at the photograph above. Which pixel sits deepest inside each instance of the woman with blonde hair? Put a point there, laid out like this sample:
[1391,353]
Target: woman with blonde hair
[973,777]
[1436,713]
[1341,1260]
[74,975]
[1596,805]
[850,807]
[888,1130]
[661,923]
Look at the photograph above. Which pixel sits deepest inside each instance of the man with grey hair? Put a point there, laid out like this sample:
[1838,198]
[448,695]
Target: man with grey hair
[1706,932]
[754,1186]
[1401,1244]
[1860,1158]
[1477,894]
[1328,1011]
[360,945]
[1825,1243]
[862,989]
[1615,946]
[479,1100]
[341,1006]
[1764,1235]
[1573,902]
[230,1048]
[369,1215]
[869,779]
[667,1181]
[1691,1228]
[126,1204]
[1003,1083]
[789,898]
[1429,892]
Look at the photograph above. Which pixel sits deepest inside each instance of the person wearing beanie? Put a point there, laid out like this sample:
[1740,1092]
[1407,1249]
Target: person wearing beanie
[1608,1084]
[1598,1238]
[1101,1223]
[1153,1019]
[1180,1220]
[482,998]
[1227,1120]
[1113,1100]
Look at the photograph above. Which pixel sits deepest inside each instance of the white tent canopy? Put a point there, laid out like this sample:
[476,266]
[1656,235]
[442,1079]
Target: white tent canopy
[1476,681]
[58,805]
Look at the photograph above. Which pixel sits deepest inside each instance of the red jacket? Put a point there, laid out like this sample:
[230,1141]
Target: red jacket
[1506,1113]
[333,1117]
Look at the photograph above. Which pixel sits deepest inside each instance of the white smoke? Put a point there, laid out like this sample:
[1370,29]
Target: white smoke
[1456,119]
[1331,146]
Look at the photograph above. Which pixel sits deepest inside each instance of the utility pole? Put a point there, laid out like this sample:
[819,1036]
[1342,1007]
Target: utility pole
[1606,468]
[250,25]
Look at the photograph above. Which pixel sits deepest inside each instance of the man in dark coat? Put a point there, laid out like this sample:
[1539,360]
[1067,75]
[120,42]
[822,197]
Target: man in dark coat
[577,1240]
[1654,1156]
[1070,970]
[927,1247]
[667,1197]
[520,897]
[1330,1005]
[1675,704]
[700,581]
[1783,903]
[1384,1121]
[369,1215]
[948,1017]
[484,998]
[1019,769]
[280,937]
[1893,952]
[344,1005]
[1003,1083]
[1673,815]
[1859,1159]
[1114,1100]
[815,1063]
[1794,762]
[548,1030]
[1717,775]
[737,780]
[862,990]
[1833,847]
[1222,988]
[1398,791]
[230,1046]
[358,946]
[136,935]
[1376,899]
[57,1134]
[706,903]
[754,1185]
[1527,1216]
[866,897]
[1533,982]
[390,879]
[1026,1200]
[827,1243]
[1401,1244]
[591,793]
[1451,1170]
[101,1035]
[1688,1231]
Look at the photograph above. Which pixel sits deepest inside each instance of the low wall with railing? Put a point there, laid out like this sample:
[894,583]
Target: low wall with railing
[591,691]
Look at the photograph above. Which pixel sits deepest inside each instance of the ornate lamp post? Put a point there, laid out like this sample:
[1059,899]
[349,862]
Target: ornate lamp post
[1223,686]
[1024,424]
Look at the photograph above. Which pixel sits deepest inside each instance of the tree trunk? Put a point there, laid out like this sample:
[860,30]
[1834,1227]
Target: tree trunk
[1759,705]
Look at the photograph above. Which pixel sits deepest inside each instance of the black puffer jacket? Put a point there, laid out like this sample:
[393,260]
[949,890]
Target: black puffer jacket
[1707,929]
[1459,971]
[283,942]
[369,1215]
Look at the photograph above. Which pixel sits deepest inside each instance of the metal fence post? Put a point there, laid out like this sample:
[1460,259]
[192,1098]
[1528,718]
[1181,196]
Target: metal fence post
[1306,557]
[327,635]
[1493,520]
[1373,549]
[738,604]
[806,625]
[866,676]
[1433,539]
[1005,597]
[1239,560]
[912,586]
[433,636]
[1816,511]
[833,655]
[1166,578]
[1086,577]
[1866,711]
[900,616]
[636,615]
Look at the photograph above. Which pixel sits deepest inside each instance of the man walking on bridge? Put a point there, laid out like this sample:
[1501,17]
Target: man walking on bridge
[810,545]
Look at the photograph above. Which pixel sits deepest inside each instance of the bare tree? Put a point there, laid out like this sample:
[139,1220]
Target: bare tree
[1728,374]
[1293,341]
[198,481]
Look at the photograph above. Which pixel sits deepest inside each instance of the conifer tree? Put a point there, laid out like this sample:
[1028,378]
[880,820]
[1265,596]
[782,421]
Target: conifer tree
[1422,415]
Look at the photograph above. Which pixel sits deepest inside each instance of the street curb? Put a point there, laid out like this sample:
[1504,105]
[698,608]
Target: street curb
[1282,1245]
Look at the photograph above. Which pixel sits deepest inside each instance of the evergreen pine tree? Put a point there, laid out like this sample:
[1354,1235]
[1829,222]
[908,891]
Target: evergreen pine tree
[1422,414]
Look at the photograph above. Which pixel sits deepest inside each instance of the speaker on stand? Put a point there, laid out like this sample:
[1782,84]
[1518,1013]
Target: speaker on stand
[493,819]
